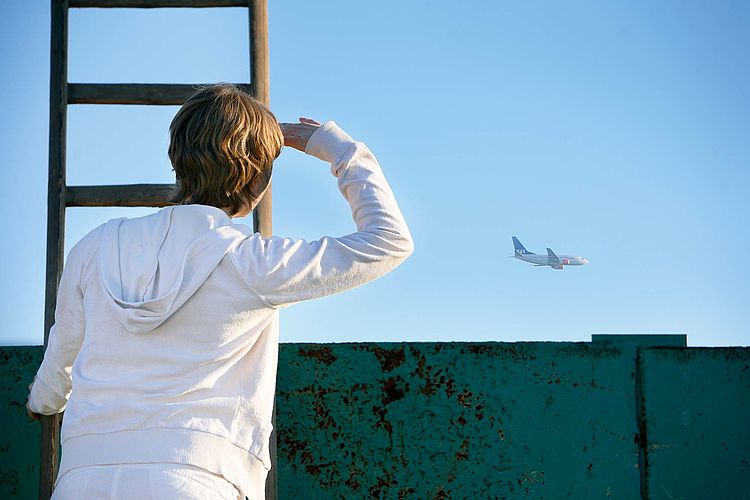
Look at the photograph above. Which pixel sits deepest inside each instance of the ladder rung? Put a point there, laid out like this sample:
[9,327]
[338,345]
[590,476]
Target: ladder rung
[135,93]
[122,195]
[150,4]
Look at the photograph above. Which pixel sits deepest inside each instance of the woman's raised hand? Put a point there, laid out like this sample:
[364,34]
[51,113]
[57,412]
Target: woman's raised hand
[296,135]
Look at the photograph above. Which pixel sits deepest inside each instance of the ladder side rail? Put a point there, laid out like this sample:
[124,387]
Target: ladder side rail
[259,78]
[262,214]
[50,433]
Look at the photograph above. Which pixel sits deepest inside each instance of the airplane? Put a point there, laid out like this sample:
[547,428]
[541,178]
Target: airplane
[551,259]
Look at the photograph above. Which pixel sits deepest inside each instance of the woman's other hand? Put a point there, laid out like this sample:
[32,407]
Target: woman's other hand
[33,415]
[296,135]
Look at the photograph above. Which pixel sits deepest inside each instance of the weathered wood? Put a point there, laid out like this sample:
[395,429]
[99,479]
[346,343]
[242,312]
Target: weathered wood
[272,477]
[150,4]
[262,215]
[259,63]
[50,434]
[121,195]
[135,93]
[259,78]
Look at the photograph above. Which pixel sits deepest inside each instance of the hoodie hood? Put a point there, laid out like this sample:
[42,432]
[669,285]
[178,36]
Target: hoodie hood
[151,265]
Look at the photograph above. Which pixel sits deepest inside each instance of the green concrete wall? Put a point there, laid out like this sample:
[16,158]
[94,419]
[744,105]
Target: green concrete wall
[19,435]
[612,418]
[698,422]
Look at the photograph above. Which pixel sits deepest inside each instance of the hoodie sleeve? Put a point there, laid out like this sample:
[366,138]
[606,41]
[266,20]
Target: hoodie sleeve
[52,383]
[283,271]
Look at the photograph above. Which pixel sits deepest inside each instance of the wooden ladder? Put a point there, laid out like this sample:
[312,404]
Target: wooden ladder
[60,195]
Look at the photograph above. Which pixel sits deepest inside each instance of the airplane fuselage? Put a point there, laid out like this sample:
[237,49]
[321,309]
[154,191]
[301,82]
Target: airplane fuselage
[543,260]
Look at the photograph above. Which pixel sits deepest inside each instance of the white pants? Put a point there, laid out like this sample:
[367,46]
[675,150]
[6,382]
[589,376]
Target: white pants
[142,482]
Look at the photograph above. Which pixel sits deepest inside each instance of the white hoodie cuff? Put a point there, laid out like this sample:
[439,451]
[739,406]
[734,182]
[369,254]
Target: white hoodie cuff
[43,399]
[328,142]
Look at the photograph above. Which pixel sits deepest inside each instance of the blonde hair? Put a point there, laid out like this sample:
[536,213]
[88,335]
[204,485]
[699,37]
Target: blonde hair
[222,145]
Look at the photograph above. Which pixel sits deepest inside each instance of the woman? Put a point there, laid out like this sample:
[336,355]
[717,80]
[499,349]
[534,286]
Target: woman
[165,344]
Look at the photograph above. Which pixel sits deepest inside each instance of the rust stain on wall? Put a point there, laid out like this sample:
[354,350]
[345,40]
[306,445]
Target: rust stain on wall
[389,358]
[322,354]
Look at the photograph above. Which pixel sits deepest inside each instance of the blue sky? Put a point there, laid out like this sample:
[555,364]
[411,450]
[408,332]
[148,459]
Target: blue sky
[614,130]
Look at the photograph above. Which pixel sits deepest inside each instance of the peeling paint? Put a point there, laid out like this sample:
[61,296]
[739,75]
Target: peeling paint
[424,420]
[389,358]
[322,354]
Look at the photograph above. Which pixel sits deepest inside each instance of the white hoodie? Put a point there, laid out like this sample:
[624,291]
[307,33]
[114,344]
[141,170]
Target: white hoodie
[165,342]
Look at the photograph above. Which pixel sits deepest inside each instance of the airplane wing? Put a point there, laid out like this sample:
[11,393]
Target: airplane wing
[553,260]
[551,257]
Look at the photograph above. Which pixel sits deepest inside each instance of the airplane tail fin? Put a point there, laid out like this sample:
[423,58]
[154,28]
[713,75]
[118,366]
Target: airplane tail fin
[520,250]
